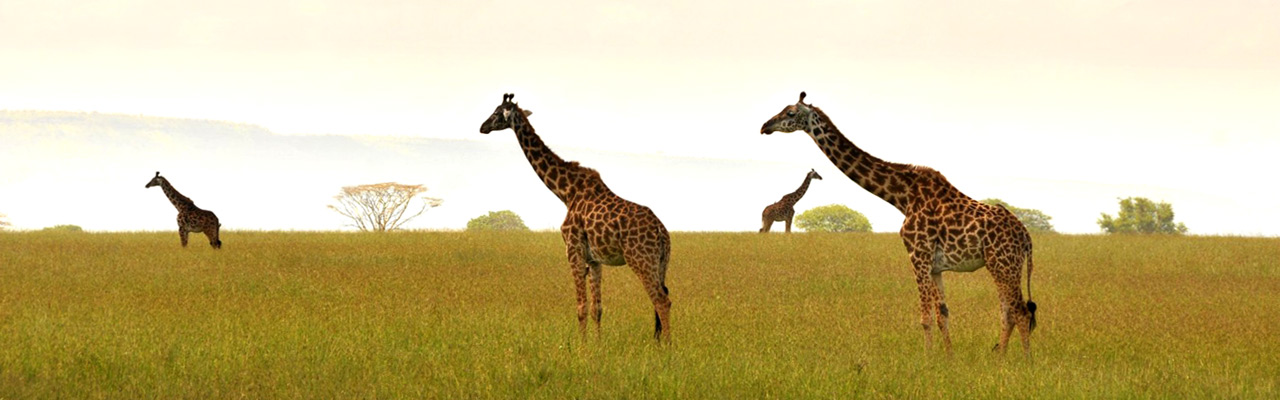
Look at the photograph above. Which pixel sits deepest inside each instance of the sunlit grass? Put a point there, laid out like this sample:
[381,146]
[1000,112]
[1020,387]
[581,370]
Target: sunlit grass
[458,315]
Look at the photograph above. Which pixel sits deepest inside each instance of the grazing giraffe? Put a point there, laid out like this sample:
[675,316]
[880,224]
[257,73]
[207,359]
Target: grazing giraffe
[190,217]
[944,229]
[785,209]
[599,227]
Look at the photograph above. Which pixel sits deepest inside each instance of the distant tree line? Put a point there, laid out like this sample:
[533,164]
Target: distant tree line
[1138,215]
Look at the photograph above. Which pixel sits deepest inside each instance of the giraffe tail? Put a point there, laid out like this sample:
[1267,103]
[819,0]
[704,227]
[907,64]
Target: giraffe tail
[662,280]
[1031,305]
[657,321]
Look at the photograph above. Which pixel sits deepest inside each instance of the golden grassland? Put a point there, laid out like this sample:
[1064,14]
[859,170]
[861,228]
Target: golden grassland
[464,315]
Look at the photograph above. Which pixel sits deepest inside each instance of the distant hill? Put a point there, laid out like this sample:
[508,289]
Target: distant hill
[89,169]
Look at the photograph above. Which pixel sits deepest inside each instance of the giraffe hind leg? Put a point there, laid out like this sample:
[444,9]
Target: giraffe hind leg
[651,270]
[1013,314]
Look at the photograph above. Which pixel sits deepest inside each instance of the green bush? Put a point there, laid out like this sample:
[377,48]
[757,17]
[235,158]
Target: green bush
[833,218]
[1141,215]
[505,220]
[63,228]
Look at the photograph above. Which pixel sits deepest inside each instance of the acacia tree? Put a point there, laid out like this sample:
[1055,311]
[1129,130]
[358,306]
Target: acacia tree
[1141,215]
[1034,220]
[381,207]
[833,218]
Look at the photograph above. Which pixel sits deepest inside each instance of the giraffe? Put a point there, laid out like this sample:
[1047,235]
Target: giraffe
[599,227]
[785,209]
[190,217]
[944,229]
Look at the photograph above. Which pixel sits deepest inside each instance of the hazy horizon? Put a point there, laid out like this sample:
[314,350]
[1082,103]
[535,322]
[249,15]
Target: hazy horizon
[1029,102]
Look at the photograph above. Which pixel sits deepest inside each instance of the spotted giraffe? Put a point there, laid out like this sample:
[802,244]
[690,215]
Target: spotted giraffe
[944,229]
[785,209]
[599,228]
[190,217]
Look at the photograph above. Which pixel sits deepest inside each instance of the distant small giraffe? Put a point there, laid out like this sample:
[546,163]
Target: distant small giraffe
[785,209]
[944,229]
[599,227]
[190,217]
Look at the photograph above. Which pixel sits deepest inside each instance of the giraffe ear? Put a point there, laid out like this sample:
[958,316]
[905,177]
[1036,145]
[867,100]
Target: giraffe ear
[527,113]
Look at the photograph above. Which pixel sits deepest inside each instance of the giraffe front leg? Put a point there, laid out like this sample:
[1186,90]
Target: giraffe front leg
[943,313]
[182,233]
[788,224]
[593,282]
[928,295]
[578,267]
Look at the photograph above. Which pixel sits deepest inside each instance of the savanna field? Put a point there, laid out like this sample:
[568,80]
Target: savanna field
[467,315]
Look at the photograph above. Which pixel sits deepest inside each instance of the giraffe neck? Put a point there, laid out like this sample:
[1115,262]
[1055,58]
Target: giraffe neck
[891,182]
[795,196]
[180,202]
[563,178]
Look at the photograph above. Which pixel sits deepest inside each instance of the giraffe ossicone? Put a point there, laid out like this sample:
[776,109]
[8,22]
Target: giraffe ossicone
[600,228]
[944,229]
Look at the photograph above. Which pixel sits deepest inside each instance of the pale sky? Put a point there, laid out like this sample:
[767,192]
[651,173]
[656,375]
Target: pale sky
[1059,106]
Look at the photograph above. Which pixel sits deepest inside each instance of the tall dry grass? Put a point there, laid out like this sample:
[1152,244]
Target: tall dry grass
[463,315]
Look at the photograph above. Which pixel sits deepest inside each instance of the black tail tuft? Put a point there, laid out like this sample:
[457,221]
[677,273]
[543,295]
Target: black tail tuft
[1031,309]
[657,322]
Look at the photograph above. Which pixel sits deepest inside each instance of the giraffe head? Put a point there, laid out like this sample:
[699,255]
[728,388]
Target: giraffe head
[813,174]
[507,115]
[156,180]
[796,117]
